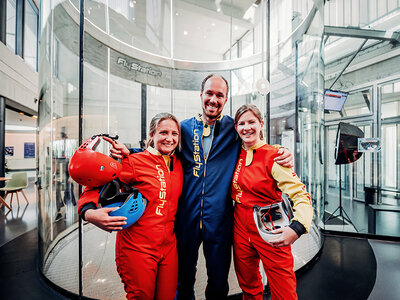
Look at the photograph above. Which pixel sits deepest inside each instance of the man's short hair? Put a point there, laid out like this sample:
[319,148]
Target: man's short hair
[213,75]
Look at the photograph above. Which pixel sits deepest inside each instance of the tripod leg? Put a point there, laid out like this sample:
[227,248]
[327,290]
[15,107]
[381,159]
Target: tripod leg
[332,215]
[347,218]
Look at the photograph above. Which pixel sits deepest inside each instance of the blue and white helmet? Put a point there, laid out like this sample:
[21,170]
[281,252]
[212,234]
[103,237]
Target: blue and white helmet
[131,204]
[271,217]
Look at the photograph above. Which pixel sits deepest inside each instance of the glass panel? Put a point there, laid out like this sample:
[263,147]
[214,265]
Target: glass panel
[186,104]
[158,100]
[390,95]
[30,35]
[362,171]
[372,10]
[125,104]
[389,156]
[347,13]
[392,5]
[11,24]
[115,86]
[143,24]
[355,13]
[364,16]
[58,140]
[202,30]
[382,8]
[96,13]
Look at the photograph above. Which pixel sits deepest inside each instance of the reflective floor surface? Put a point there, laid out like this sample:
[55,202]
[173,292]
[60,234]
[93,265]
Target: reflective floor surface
[344,263]
[348,268]
[20,219]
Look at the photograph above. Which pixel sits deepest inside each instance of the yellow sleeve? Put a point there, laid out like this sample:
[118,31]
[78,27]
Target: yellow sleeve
[290,184]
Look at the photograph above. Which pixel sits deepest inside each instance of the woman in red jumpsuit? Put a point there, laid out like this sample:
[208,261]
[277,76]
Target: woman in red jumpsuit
[259,180]
[145,253]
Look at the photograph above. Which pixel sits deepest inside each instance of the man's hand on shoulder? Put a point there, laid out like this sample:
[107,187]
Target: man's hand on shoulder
[284,158]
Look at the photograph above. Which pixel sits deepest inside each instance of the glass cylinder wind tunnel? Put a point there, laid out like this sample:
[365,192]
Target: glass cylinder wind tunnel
[145,57]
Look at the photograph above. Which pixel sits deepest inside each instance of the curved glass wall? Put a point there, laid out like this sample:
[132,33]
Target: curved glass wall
[145,57]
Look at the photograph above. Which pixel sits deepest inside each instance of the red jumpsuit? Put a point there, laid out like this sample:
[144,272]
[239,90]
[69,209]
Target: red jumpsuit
[259,180]
[145,253]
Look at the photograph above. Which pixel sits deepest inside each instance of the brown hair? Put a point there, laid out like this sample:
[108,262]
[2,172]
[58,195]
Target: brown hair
[249,107]
[157,119]
[217,76]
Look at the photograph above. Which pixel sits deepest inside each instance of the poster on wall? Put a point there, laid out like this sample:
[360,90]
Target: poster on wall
[29,150]
[9,150]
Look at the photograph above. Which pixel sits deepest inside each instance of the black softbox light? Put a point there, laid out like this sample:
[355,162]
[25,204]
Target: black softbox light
[347,143]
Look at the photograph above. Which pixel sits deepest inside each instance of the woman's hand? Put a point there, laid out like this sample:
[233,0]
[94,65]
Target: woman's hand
[101,219]
[288,237]
[285,159]
[119,150]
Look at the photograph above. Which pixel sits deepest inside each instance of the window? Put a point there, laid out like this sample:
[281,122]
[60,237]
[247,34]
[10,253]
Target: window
[30,34]
[11,24]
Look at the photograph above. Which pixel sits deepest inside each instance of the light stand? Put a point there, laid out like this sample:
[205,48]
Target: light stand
[342,212]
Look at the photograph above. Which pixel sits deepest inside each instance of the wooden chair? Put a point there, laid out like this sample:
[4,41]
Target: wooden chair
[17,183]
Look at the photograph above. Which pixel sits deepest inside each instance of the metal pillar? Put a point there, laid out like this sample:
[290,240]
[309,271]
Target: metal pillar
[143,115]
[81,66]
[2,138]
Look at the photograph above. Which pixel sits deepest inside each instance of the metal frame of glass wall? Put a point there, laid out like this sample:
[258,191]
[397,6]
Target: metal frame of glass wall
[128,76]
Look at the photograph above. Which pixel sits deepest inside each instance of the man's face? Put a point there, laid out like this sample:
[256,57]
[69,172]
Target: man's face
[214,97]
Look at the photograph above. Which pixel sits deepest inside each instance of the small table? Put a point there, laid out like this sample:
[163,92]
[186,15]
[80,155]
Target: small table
[2,201]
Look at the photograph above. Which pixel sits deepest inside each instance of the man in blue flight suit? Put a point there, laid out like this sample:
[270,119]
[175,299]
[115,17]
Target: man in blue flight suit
[210,149]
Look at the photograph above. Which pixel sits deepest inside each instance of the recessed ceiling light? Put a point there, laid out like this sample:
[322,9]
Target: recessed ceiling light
[176,14]
[212,24]
[133,18]
[236,27]
[131,3]
[218,9]
[185,32]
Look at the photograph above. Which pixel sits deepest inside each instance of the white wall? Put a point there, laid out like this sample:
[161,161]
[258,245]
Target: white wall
[18,81]
[17,140]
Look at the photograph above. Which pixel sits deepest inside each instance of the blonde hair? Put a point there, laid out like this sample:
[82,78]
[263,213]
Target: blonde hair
[157,119]
[254,109]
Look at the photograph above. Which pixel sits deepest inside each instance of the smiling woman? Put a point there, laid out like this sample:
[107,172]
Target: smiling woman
[259,181]
[146,254]
[164,133]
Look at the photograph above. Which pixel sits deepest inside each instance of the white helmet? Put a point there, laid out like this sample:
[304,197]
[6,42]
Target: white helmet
[271,217]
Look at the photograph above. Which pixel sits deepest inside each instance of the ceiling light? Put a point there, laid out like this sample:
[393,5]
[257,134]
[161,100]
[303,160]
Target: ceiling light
[176,14]
[131,3]
[218,9]
[20,128]
[212,24]
[133,18]
[34,116]
[185,32]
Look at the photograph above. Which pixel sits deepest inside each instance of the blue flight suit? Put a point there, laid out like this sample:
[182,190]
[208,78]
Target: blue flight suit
[205,210]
